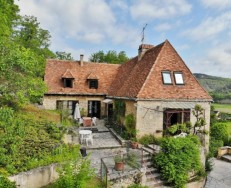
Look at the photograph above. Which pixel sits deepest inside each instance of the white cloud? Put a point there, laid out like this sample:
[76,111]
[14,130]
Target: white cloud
[210,27]
[216,61]
[121,4]
[90,21]
[146,10]
[163,27]
[85,20]
[217,4]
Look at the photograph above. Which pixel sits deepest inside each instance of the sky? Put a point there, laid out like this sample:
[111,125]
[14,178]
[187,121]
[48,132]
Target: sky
[199,30]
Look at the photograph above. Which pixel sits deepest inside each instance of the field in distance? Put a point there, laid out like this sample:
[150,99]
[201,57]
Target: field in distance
[226,108]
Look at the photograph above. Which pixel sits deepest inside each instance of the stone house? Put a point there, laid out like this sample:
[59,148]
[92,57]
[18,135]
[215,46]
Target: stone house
[156,86]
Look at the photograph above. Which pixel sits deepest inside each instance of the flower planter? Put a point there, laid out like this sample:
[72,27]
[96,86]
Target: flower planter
[119,166]
[134,145]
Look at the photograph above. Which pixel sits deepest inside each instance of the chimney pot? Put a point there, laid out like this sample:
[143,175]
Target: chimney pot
[142,49]
[81,59]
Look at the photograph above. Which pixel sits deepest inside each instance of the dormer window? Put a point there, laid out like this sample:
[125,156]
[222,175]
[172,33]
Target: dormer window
[68,82]
[178,78]
[166,77]
[93,84]
[68,79]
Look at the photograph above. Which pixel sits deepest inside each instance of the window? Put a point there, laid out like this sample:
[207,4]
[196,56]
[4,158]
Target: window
[68,82]
[178,78]
[93,84]
[68,106]
[174,116]
[166,76]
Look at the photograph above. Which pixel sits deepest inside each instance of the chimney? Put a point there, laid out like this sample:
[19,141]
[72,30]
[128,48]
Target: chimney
[81,60]
[142,49]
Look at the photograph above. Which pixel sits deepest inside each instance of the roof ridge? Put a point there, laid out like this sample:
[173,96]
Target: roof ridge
[163,44]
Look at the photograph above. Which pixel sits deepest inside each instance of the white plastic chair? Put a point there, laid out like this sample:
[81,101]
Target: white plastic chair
[89,139]
[93,121]
[180,135]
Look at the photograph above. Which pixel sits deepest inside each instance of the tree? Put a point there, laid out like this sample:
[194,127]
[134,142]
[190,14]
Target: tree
[9,15]
[111,57]
[23,49]
[29,35]
[19,82]
[198,112]
[63,56]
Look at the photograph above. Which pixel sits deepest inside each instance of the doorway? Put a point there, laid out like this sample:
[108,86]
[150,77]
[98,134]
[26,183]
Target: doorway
[94,109]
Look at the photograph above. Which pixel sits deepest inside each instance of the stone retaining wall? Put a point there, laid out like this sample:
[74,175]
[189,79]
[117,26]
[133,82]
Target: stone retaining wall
[36,178]
[223,150]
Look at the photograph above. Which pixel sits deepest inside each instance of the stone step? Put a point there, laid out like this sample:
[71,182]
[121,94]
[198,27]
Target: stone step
[148,150]
[226,158]
[153,176]
[155,148]
[148,164]
[151,170]
[156,183]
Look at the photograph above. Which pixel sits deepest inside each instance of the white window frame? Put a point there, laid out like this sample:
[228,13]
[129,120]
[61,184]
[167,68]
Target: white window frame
[179,79]
[166,77]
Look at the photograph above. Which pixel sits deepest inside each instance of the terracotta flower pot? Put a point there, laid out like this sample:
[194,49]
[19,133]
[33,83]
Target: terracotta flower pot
[119,166]
[134,145]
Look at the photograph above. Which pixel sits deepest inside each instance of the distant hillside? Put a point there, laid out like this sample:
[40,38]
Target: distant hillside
[218,87]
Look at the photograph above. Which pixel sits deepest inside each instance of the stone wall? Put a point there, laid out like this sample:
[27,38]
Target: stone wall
[36,178]
[196,184]
[126,179]
[223,150]
[49,102]
[150,116]
[130,108]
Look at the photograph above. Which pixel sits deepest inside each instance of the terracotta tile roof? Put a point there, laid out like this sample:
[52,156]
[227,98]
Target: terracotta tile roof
[137,79]
[143,79]
[56,69]
[131,76]
[67,74]
[92,76]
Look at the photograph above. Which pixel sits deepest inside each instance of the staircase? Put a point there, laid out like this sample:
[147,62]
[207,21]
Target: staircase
[224,153]
[152,176]
[226,157]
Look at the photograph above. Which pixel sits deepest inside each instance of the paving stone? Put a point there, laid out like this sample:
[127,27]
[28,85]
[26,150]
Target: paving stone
[220,176]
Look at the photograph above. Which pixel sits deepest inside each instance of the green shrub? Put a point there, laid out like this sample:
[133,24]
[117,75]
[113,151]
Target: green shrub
[179,156]
[208,164]
[220,131]
[213,147]
[26,142]
[6,183]
[132,160]
[149,139]
[130,124]
[75,174]
[137,186]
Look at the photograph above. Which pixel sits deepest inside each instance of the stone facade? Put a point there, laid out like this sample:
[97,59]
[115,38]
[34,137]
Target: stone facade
[130,107]
[50,102]
[150,116]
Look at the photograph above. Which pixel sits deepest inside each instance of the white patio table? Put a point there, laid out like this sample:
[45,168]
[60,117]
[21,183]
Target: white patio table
[83,134]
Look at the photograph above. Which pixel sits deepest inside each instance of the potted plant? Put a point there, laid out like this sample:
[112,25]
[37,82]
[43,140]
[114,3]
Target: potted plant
[132,160]
[119,162]
[134,143]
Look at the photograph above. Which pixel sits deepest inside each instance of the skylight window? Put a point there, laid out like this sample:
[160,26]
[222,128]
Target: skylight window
[166,76]
[178,78]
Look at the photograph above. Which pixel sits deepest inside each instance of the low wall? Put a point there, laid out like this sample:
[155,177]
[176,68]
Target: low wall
[223,150]
[36,178]
[196,184]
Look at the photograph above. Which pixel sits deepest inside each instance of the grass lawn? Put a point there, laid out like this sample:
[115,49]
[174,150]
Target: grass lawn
[226,108]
